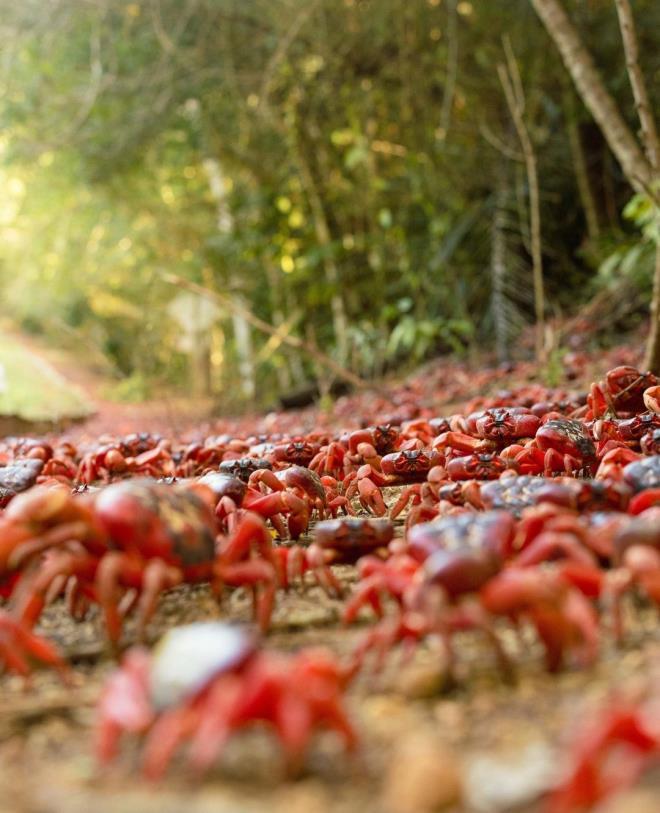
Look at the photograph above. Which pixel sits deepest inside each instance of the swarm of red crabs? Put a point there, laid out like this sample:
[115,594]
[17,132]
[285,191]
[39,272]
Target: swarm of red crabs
[540,510]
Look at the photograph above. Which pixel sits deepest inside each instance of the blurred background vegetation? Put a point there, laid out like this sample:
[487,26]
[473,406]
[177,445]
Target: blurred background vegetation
[346,170]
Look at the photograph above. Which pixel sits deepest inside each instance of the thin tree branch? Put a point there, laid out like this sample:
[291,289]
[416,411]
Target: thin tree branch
[513,92]
[598,100]
[452,68]
[637,83]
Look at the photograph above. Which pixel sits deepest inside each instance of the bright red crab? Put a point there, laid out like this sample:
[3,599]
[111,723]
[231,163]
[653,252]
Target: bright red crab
[136,537]
[399,468]
[19,646]
[207,681]
[621,391]
[504,425]
[559,446]
[609,754]
[486,466]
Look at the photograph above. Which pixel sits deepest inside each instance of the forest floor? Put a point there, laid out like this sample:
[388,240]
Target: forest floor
[422,737]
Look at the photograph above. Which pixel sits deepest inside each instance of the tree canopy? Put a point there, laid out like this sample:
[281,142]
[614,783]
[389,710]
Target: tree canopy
[351,172]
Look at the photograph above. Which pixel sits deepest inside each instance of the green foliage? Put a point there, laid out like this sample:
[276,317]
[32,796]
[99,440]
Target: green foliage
[414,338]
[356,166]
[634,257]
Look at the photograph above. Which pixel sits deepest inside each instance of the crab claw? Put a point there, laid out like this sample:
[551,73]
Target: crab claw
[18,643]
[124,704]
[652,399]
[370,497]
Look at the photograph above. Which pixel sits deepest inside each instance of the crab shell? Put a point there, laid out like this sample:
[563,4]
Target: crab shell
[224,485]
[17,476]
[567,437]
[174,524]
[643,474]
[462,570]
[187,659]
[354,533]
[304,478]
[513,493]
[410,465]
[640,530]
[492,530]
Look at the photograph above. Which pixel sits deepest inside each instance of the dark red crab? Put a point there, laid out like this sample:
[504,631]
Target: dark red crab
[492,530]
[399,468]
[511,493]
[559,446]
[137,537]
[350,538]
[298,451]
[650,442]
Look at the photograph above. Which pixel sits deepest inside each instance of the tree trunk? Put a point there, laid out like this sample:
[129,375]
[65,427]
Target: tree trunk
[510,80]
[322,229]
[242,334]
[649,134]
[498,269]
[649,137]
[594,94]
[580,167]
[642,174]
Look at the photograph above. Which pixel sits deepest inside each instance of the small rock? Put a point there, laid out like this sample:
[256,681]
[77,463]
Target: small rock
[424,776]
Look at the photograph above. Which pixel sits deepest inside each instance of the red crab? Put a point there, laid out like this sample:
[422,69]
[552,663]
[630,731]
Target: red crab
[503,425]
[609,754]
[207,681]
[560,445]
[346,540]
[107,463]
[637,548]
[383,437]
[399,468]
[19,645]
[425,498]
[330,460]
[477,467]
[650,442]
[622,391]
[336,541]
[492,530]
[297,491]
[431,595]
[628,431]
[297,451]
[133,536]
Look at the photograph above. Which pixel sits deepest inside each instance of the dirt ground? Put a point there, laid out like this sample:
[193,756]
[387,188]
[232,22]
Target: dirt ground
[502,742]
[479,745]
